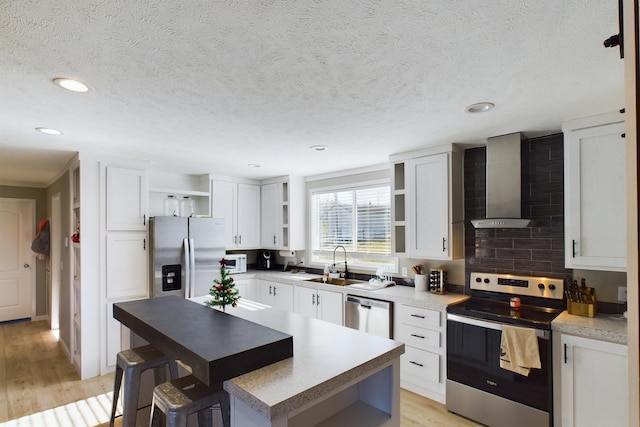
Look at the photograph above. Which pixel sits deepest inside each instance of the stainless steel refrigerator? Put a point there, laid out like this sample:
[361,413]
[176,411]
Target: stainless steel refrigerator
[185,255]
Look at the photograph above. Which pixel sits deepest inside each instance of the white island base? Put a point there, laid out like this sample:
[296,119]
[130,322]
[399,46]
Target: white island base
[371,400]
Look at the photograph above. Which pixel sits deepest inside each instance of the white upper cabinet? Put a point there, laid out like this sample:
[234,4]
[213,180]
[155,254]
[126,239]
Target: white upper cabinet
[239,205]
[427,205]
[283,213]
[595,193]
[126,199]
[271,224]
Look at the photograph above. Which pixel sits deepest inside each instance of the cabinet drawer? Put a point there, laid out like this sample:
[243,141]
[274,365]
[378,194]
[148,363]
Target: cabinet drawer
[424,339]
[418,365]
[417,316]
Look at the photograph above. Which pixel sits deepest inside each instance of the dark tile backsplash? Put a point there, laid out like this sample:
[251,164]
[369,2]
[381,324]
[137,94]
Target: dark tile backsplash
[537,250]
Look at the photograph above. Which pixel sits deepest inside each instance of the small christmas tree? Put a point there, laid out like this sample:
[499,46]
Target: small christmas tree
[223,291]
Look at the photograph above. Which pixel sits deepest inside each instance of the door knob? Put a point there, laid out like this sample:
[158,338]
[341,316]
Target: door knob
[26,265]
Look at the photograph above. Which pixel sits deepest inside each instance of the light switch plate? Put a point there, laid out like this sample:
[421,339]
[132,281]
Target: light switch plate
[622,293]
[404,271]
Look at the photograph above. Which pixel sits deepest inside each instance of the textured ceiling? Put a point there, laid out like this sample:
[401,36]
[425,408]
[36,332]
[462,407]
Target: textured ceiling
[211,86]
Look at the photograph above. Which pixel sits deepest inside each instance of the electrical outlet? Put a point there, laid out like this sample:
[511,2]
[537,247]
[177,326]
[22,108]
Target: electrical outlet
[622,293]
[404,271]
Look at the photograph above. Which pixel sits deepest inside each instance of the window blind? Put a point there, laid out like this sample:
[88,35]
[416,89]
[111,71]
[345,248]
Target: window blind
[357,218]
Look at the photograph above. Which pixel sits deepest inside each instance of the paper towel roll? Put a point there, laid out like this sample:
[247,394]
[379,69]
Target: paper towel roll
[288,254]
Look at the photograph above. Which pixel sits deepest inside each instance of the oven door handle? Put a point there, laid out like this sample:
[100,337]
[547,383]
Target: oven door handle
[540,333]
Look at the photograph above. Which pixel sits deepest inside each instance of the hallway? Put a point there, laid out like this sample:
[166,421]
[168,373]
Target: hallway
[35,373]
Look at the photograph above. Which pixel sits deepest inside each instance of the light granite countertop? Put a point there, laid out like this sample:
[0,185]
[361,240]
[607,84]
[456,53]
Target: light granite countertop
[325,357]
[398,294]
[603,327]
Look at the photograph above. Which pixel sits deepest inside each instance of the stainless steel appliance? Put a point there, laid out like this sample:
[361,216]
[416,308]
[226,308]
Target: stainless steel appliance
[265,262]
[477,387]
[236,263]
[369,315]
[185,255]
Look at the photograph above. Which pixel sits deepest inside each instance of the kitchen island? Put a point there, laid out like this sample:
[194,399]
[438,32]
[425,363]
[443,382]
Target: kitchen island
[336,377]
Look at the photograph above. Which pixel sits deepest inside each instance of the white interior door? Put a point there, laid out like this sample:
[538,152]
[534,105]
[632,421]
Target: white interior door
[17,262]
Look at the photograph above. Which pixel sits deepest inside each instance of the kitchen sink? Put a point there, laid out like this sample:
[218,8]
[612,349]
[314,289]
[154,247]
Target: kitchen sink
[333,281]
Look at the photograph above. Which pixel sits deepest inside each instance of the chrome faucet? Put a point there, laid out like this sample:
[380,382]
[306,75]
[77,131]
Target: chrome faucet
[346,270]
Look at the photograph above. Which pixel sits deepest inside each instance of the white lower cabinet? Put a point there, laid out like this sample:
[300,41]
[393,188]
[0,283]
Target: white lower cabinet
[247,287]
[593,383]
[319,304]
[423,365]
[275,294]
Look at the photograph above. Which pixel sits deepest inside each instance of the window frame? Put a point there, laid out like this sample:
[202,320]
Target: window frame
[391,263]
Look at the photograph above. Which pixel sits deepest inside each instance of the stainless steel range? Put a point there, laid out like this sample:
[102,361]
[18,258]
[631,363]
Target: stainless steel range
[477,387]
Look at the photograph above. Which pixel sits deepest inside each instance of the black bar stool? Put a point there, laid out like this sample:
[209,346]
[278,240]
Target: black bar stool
[180,398]
[132,363]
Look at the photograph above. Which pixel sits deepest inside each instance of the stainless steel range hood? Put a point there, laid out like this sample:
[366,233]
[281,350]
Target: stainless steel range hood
[504,184]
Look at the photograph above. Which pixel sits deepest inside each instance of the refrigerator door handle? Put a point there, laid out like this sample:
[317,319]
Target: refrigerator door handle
[187,268]
[192,262]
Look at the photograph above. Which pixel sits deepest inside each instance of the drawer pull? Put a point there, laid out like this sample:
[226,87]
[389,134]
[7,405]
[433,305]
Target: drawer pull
[418,316]
[417,336]
[416,363]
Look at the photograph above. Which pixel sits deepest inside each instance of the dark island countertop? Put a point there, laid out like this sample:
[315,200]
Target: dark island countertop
[217,346]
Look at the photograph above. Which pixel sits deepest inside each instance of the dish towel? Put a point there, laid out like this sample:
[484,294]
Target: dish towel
[519,350]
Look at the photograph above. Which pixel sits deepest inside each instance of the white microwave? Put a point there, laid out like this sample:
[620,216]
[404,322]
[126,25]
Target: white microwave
[236,263]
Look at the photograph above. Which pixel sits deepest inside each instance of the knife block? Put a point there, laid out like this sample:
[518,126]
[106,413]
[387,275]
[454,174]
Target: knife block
[588,306]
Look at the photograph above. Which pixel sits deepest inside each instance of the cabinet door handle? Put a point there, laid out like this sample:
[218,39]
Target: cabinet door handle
[313,299]
[574,248]
[144,219]
[418,316]
[274,240]
[444,244]
[416,363]
[235,239]
[269,289]
[240,239]
[417,336]
[318,300]
[565,354]
[274,290]
[144,244]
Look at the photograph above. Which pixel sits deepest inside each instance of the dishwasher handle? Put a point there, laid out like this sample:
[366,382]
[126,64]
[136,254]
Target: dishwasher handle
[368,303]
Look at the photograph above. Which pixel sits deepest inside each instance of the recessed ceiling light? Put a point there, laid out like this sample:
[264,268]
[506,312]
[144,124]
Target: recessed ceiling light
[480,107]
[319,147]
[70,84]
[253,165]
[49,131]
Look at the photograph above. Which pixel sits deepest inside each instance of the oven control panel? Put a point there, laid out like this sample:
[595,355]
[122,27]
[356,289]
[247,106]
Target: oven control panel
[542,287]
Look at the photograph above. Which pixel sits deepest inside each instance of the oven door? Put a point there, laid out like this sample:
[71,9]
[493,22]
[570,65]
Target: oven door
[473,359]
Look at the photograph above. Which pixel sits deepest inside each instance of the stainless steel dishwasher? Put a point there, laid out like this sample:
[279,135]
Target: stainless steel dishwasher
[369,315]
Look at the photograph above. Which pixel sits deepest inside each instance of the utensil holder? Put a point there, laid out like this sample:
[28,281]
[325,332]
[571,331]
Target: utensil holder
[421,282]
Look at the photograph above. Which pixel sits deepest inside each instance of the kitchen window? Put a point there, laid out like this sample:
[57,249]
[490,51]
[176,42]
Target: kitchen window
[357,217]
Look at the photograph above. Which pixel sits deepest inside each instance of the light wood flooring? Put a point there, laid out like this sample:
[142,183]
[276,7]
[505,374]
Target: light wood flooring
[36,376]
